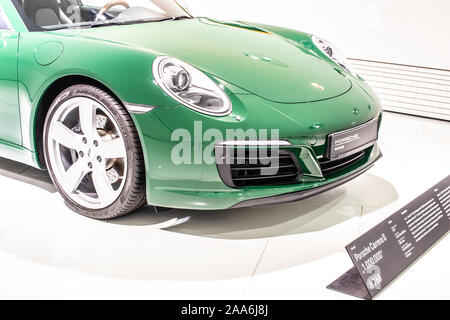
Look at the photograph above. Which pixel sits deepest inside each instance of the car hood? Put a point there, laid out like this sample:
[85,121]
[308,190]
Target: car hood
[257,61]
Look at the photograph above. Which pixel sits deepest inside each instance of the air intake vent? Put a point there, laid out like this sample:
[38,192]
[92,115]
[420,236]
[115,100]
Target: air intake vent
[249,168]
[331,166]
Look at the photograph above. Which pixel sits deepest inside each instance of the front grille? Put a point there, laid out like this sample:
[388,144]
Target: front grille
[331,166]
[247,169]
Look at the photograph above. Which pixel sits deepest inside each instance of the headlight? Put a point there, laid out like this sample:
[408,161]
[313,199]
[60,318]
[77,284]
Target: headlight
[190,87]
[332,52]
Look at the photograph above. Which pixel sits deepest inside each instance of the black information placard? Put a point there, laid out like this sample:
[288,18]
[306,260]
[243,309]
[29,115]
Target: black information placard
[385,251]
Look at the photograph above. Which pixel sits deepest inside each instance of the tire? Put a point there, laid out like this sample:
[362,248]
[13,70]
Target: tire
[95,160]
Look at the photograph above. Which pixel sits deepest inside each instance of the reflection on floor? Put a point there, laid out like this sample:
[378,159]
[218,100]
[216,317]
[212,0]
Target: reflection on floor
[314,214]
[30,175]
[285,251]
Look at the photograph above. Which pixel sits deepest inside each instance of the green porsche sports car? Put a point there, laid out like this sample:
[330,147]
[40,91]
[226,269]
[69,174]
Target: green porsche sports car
[136,102]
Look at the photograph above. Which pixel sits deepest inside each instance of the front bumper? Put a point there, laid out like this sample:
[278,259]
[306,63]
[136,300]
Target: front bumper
[200,186]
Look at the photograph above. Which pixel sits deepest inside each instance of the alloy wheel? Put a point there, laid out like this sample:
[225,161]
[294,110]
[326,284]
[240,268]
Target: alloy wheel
[87,153]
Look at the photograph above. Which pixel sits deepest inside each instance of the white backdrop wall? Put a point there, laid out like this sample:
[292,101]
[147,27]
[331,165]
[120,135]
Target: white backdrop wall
[412,33]
[415,32]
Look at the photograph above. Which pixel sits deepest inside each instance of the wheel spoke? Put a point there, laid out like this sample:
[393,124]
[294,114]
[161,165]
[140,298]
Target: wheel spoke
[88,120]
[96,140]
[105,192]
[63,135]
[73,176]
[112,149]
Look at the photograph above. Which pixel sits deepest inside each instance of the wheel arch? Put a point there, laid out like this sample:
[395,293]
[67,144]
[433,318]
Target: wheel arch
[47,98]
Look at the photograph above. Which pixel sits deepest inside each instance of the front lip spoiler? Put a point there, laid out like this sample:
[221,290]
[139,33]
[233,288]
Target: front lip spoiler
[295,196]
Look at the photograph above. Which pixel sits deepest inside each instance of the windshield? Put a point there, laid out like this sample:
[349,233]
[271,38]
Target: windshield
[61,14]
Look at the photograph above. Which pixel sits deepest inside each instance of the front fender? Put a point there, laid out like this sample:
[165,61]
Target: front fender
[125,70]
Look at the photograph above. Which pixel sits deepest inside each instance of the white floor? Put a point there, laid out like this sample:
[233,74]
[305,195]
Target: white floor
[290,251]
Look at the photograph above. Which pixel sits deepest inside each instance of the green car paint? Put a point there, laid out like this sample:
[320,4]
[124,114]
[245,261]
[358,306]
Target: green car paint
[275,78]
[8,84]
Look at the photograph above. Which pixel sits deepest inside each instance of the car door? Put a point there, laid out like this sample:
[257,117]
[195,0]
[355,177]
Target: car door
[9,106]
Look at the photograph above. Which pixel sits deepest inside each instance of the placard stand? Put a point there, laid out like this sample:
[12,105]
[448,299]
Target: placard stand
[380,255]
[351,283]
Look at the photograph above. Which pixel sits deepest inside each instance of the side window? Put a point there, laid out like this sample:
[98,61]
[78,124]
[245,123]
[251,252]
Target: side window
[4,25]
